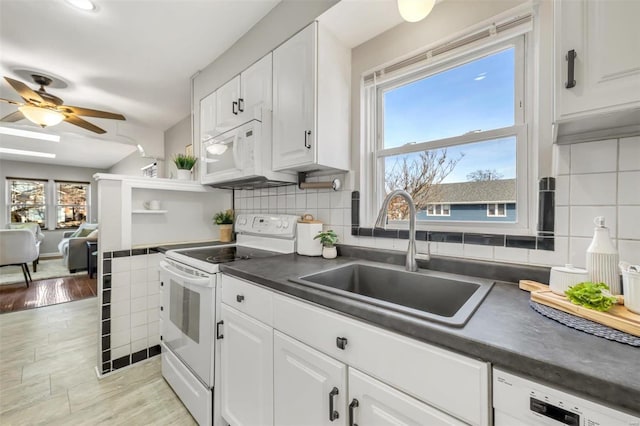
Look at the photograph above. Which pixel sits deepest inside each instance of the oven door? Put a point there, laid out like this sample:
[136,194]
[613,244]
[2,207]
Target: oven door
[188,316]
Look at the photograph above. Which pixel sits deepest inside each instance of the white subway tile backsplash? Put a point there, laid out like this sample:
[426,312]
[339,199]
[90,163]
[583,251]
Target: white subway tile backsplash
[120,279]
[139,304]
[138,319]
[450,249]
[477,251]
[139,276]
[138,333]
[153,287]
[558,256]
[593,157]
[121,264]
[629,188]
[120,351]
[593,189]
[324,200]
[578,251]
[153,315]
[512,255]
[139,345]
[562,221]
[153,301]
[120,338]
[312,200]
[301,201]
[119,323]
[153,340]
[629,251]
[563,159]
[582,220]
[153,260]
[629,154]
[337,216]
[119,309]
[629,222]
[120,294]
[138,262]
[153,329]
[562,191]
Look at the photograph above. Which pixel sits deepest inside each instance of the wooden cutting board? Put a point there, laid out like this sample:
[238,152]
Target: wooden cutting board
[617,317]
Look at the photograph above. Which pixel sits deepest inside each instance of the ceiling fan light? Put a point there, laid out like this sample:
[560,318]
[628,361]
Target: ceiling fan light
[41,116]
[415,10]
[86,5]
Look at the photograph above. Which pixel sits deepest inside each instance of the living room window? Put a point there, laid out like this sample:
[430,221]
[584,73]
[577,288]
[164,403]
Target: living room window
[72,207]
[451,132]
[28,201]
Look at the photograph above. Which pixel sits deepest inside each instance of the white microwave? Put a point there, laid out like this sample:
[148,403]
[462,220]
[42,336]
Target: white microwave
[241,158]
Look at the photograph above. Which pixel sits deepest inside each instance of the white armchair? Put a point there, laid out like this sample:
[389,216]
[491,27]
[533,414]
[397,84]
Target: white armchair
[73,247]
[37,233]
[18,247]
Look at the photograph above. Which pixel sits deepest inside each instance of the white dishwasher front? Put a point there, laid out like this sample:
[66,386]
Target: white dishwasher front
[521,402]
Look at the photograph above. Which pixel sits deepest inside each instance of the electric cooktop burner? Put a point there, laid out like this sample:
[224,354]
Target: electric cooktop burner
[227,254]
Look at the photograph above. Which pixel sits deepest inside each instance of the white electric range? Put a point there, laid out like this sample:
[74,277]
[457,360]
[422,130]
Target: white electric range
[190,295]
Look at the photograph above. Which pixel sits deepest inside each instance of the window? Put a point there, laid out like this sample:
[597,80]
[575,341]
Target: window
[496,210]
[71,206]
[452,133]
[438,210]
[27,201]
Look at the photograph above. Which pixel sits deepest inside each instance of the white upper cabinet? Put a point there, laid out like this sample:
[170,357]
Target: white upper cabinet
[605,37]
[255,88]
[227,103]
[311,90]
[208,117]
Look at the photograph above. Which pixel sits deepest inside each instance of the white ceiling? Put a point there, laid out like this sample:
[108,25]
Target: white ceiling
[129,57]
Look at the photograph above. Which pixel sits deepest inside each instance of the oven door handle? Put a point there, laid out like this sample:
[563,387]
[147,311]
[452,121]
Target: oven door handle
[165,266]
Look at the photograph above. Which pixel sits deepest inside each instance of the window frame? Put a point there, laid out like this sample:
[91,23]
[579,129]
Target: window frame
[442,209]
[372,131]
[497,209]
[57,204]
[44,206]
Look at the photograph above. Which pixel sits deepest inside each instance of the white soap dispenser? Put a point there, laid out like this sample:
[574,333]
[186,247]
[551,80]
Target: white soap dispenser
[602,258]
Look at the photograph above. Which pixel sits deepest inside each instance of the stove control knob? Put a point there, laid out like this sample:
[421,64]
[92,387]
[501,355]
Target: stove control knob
[242,221]
[285,224]
[279,224]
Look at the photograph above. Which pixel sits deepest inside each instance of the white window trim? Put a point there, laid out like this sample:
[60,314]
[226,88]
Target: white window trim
[441,205]
[495,206]
[46,205]
[371,198]
[54,185]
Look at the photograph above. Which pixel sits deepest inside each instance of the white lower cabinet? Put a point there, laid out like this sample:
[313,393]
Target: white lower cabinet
[309,387]
[246,369]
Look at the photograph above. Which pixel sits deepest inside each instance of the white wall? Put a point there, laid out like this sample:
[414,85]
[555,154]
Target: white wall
[176,139]
[23,169]
[132,165]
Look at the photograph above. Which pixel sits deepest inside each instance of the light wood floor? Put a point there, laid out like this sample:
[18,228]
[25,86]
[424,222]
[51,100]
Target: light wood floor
[47,359]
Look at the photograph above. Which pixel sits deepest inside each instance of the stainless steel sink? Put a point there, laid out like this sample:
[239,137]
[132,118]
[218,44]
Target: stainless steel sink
[437,296]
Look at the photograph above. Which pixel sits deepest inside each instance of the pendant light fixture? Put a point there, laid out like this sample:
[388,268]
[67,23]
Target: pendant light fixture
[41,116]
[415,10]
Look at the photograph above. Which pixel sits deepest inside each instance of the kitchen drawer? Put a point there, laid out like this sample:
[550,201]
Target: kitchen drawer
[450,382]
[248,298]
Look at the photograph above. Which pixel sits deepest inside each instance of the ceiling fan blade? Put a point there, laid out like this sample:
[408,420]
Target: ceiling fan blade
[84,124]
[24,91]
[9,101]
[13,117]
[86,112]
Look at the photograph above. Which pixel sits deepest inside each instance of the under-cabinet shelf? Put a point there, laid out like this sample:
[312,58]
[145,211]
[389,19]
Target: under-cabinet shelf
[148,211]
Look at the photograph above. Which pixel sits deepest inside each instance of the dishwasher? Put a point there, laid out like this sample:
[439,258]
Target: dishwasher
[521,402]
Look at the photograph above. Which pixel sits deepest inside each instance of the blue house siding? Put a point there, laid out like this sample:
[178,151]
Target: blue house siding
[471,212]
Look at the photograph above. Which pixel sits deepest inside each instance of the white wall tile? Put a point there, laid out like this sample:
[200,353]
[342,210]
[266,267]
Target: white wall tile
[153,301]
[153,260]
[594,157]
[563,158]
[138,333]
[562,191]
[629,222]
[119,309]
[593,189]
[578,251]
[139,304]
[582,220]
[153,287]
[477,251]
[337,217]
[138,319]
[629,251]
[139,276]
[324,200]
[512,255]
[120,338]
[401,245]
[324,215]
[153,340]
[301,201]
[291,202]
[153,315]
[120,279]
[139,345]
[629,188]
[153,329]
[121,264]
[120,323]
[139,262]
[558,256]
[153,275]
[562,221]
[312,199]
[336,200]
[282,203]
[120,294]
[273,204]
[138,290]
[120,351]
[629,153]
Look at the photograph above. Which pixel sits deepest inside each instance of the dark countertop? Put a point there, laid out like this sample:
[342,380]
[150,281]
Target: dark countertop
[504,331]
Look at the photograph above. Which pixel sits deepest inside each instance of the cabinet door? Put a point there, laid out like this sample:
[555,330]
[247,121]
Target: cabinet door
[294,100]
[208,117]
[246,370]
[606,38]
[374,403]
[309,387]
[255,87]
[227,104]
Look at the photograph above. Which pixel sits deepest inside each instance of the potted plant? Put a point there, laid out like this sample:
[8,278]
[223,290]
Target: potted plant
[328,239]
[184,164]
[224,220]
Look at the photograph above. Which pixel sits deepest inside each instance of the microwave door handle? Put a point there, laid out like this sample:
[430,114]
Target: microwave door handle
[236,156]
[192,279]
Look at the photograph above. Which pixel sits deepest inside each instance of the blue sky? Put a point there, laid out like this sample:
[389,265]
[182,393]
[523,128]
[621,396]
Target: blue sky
[474,96]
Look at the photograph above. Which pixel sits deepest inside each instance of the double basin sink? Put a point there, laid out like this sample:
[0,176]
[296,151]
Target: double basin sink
[445,298]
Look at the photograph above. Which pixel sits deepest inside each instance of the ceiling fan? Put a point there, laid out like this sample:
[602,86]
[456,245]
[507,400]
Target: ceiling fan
[45,109]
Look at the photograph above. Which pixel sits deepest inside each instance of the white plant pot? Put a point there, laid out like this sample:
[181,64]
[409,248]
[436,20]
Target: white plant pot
[184,174]
[329,252]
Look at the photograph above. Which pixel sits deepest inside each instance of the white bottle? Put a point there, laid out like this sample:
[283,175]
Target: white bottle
[602,258]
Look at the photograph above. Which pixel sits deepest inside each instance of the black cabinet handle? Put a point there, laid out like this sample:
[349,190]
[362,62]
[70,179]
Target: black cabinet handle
[341,342]
[571,59]
[218,335]
[234,107]
[161,308]
[161,284]
[240,104]
[332,413]
[354,404]
[307,133]
[239,298]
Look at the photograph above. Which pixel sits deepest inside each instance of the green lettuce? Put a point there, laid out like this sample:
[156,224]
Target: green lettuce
[590,295]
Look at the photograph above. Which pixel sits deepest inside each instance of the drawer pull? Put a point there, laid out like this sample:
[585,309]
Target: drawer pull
[341,342]
[354,404]
[332,413]
[218,335]
[571,58]
[239,298]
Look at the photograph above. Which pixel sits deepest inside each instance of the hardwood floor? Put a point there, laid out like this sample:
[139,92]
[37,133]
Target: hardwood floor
[47,376]
[17,297]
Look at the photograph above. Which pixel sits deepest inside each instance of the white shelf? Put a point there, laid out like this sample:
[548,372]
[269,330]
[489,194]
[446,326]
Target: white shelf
[148,211]
[156,183]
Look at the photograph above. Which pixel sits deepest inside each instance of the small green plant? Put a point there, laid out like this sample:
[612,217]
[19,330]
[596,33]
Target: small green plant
[327,238]
[184,161]
[223,218]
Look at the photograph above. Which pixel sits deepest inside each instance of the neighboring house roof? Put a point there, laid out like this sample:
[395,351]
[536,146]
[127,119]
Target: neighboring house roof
[489,191]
